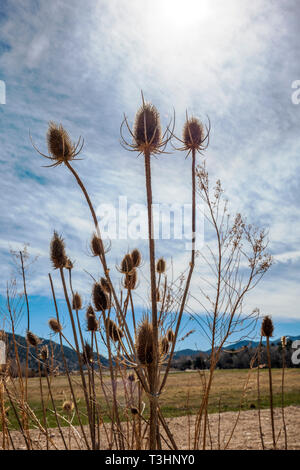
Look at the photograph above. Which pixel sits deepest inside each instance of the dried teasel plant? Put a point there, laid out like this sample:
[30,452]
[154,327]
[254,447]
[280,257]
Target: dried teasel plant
[77,301]
[100,298]
[57,252]
[91,319]
[161,266]
[267,329]
[55,325]
[114,332]
[32,339]
[60,146]
[126,266]
[144,342]
[130,280]
[136,258]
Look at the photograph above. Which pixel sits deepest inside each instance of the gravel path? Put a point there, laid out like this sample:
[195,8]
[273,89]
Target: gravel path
[246,435]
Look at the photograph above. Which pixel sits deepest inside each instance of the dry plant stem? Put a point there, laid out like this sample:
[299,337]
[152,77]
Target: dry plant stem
[241,401]
[115,411]
[153,368]
[258,395]
[282,399]
[271,392]
[54,410]
[42,399]
[25,427]
[23,432]
[66,367]
[28,321]
[77,352]
[192,264]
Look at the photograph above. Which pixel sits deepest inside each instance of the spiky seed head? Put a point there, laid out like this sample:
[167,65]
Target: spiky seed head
[57,252]
[164,345]
[87,355]
[89,311]
[114,332]
[91,322]
[105,285]
[147,129]
[44,353]
[170,336]
[161,266]
[193,133]
[130,280]
[136,258]
[32,339]
[77,301]
[134,410]
[68,407]
[267,327]
[60,145]
[283,342]
[55,325]
[96,245]
[126,264]
[144,342]
[100,298]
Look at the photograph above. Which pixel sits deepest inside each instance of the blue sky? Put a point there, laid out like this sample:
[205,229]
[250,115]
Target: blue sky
[83,63]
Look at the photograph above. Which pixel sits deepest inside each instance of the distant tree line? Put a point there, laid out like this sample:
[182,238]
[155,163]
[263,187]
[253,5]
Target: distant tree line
[238,360]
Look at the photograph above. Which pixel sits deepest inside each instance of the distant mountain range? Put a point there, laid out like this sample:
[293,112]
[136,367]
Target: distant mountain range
[233,347]
[70,355]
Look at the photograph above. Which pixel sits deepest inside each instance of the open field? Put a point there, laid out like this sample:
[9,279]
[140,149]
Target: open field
[182,395]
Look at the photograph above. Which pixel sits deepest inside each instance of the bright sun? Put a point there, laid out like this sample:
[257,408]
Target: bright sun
[183,14]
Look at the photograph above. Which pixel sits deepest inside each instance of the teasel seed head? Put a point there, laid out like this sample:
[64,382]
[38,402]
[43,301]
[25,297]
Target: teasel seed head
[77,301]
[164,345]
[100,298]
[136,258]
[55,325]
[161,266]
[91,322]
[60,146]
[96,245]
[44,353]
[68,407]
[32,339]
[134,410]
[147,129]
[283,342]
[170,336]
[87,355]
[130,280]
[267,327]
[126,264]
[105,285]
[114,332]
[57,252]
[144,342]
[193,133]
